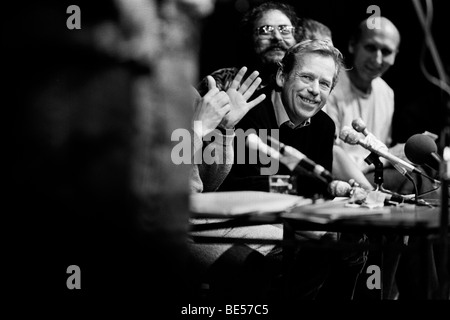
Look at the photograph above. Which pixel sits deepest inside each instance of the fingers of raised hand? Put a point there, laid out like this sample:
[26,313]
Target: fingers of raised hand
[211,82]
[237,79]
[212,92]
[256,101]
[249,81]
[251,89]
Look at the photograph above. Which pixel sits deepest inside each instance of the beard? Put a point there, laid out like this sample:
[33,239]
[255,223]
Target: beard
[274,53]
[272,58]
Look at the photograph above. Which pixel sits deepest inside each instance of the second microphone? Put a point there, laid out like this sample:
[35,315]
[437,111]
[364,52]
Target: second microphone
[290,157]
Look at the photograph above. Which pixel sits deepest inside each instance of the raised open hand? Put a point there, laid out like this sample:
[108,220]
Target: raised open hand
[239,94]
[210,109]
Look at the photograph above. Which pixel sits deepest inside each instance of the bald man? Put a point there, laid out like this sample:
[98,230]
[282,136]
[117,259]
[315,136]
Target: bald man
[362,93]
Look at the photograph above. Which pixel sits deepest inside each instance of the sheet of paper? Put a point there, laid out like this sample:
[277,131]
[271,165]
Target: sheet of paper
[234,203]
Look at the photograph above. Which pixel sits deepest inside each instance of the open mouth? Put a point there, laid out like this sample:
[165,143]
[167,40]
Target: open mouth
[313,102]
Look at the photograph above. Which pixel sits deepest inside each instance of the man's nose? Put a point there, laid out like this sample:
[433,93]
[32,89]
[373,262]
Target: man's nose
[314,88]
[378,57]
[277,34]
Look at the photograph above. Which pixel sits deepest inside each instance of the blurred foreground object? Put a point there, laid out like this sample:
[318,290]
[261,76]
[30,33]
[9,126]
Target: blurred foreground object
[93,111]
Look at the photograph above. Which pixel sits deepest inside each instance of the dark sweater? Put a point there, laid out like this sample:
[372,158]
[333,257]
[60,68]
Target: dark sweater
[314,140]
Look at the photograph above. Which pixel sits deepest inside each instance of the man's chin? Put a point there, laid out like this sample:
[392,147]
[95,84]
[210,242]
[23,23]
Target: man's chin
[370,75]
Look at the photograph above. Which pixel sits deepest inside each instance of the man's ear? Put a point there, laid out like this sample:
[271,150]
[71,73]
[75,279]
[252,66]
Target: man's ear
[280,78]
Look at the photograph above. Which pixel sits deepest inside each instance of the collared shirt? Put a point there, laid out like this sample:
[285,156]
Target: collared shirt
[315,141]
[281,114]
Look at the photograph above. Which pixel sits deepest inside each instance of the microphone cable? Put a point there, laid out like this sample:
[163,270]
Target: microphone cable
[413,198]
[436,182]
[417,199]
[429,178]
[416,191]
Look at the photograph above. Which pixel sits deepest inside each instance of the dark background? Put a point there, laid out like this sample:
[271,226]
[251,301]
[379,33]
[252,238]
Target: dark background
[69,125]
[419,104]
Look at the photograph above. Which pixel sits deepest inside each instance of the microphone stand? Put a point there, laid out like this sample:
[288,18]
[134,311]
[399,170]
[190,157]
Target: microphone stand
[417,201]
[374,159]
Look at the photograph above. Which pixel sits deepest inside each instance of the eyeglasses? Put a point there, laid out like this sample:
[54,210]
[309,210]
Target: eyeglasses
[266,31]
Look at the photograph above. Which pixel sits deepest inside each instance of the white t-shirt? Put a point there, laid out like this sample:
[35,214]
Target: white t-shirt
[376,109]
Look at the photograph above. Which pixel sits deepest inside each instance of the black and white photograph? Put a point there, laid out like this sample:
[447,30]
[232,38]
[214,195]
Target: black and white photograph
[221,159]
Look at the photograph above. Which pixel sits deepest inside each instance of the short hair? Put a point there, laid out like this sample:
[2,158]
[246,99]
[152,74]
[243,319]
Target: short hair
[249,18]
[312,27]
[321,47]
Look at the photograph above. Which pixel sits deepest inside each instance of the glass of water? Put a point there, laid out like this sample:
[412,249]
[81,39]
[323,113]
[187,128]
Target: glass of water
[282,184]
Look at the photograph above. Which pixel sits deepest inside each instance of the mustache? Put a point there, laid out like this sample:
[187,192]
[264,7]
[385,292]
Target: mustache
[280,46]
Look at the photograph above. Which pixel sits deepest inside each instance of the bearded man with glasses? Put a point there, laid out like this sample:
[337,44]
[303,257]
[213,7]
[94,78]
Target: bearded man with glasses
[269,30]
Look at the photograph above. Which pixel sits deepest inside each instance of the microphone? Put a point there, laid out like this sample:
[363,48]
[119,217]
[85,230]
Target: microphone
[292,158]
[359,125]
[289,153]
[255,143]
[421,149]
[295,160]
[350,136]
[339,188]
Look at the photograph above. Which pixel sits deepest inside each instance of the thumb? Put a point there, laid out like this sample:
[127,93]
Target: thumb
[211,82]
